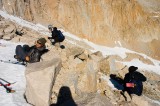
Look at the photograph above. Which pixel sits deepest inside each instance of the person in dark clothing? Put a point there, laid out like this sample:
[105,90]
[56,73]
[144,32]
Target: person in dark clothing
[30,54]
[135,78]
[57,35]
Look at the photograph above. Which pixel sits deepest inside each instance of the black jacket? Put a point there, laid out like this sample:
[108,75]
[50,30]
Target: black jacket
[55,35]
[35,54]
[137,78]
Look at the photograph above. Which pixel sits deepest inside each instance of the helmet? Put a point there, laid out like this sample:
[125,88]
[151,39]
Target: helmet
[50,26]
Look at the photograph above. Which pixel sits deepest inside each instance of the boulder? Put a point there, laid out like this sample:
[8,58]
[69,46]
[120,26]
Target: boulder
[83,56]
[142,101]
[95,56]
[19,31]
[74,51]
[40,78]
[87,79]
[2,23]
[9,36]
[1,33]
[93,99]
[9,29]
[98,53]
[1,18]
[131,56]
[104,66]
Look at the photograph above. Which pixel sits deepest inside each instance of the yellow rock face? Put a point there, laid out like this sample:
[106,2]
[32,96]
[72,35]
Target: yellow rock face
[135,23]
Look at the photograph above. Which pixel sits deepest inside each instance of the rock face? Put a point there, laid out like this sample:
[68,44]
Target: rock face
[40,78]
[94,100]
[107,22]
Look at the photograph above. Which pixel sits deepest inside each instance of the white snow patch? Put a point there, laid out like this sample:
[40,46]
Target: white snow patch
[11,73]
[141,65]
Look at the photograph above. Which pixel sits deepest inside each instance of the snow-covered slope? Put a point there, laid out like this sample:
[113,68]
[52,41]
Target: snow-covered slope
[11,73]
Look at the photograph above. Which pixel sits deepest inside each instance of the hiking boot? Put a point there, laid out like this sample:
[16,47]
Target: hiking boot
[16,57]
[11,91]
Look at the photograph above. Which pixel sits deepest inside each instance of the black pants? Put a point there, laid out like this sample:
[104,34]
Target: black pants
[21,52]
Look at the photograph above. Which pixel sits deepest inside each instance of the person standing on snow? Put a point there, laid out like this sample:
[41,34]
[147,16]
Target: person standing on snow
[30,54]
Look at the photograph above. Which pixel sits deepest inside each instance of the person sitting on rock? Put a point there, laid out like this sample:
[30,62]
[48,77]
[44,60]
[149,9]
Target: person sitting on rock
[30,54]
[133,81]
[57,35]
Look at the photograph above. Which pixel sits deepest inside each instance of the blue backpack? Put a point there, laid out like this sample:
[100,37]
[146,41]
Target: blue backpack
[61,37]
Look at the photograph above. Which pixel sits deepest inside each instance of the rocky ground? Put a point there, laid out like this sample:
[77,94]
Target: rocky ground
[85,75]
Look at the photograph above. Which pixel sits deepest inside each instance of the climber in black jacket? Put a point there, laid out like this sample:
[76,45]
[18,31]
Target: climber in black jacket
[30,54]
[57,35]
[135,78]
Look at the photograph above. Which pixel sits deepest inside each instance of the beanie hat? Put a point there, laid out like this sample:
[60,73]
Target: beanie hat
[42,41]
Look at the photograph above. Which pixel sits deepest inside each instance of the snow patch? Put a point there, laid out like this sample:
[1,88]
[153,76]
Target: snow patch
[141,65]
[11,73]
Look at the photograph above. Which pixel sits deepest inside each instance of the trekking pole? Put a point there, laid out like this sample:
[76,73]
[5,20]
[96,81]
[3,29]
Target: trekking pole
[9,83]
[5,80]
[8,90]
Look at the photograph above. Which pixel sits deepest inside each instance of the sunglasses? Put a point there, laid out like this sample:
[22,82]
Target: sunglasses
[39,42]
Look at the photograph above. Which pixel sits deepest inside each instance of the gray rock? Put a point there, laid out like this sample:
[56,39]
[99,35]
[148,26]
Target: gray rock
[1,18]
[19,31]
[93,100]
[9,29]
[40,78]
[9,36]
[98,53]
[87,80]
[2,23]
[1,33]
[75,51]
[104,66]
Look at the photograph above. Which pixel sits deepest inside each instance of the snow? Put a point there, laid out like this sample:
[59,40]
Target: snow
[141,65]
[13,70]
[11,73]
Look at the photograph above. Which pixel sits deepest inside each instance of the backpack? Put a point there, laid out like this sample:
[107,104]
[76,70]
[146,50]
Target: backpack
[61,37]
